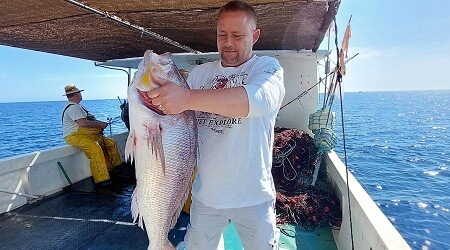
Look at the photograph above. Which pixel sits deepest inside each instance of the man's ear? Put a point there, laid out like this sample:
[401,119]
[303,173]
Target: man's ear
[256,34]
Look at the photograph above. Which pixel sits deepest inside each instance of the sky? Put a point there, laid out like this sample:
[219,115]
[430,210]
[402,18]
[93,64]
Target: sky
[402,45]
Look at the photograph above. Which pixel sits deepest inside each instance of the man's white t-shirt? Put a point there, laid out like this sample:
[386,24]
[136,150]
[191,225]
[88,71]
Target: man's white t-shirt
[235,154]
[73,111]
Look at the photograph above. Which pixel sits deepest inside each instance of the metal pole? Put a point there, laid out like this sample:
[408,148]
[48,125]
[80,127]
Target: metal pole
[64,172]
[110,121]
[20,194]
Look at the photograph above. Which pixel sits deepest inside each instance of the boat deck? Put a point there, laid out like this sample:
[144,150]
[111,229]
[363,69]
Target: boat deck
[85,217]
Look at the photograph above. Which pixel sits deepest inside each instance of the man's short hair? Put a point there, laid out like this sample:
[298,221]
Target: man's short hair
[240,6]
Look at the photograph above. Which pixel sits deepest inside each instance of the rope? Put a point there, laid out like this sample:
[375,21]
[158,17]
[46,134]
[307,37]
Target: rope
[320,81]
[288,232]
[282,156]
[338,82]
[133,26]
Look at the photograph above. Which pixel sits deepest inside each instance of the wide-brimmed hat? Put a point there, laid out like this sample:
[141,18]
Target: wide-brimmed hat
[70,89]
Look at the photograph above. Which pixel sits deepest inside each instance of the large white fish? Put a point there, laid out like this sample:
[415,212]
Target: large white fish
[164,149]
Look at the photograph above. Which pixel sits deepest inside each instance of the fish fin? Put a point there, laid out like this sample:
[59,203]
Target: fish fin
[130,147]
[135,209]
[154,141]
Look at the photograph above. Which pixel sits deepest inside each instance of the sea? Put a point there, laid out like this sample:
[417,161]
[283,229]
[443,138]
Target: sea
[397,147]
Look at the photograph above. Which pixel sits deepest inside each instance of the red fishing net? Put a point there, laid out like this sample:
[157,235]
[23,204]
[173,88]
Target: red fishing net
[299,203]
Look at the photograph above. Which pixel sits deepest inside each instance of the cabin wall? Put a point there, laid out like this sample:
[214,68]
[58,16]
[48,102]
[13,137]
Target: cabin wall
[300,74]
[39,174]
[371,228]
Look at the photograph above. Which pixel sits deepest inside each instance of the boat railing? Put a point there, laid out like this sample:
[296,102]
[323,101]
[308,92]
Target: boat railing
[371,229]
[42,173]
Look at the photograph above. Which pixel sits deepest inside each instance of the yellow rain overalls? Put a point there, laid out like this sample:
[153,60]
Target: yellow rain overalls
[101,151]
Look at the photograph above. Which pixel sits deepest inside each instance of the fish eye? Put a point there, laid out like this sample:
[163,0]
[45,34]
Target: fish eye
[164,60]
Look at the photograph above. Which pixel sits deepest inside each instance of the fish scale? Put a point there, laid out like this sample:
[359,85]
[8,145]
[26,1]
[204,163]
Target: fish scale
[164,150]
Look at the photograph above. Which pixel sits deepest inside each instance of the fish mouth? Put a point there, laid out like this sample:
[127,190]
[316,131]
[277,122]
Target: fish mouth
[155,109]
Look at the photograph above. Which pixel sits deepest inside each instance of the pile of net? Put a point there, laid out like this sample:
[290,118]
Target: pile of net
[298,202]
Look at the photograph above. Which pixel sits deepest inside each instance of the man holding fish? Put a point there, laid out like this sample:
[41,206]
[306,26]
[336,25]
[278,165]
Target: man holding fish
[236,100]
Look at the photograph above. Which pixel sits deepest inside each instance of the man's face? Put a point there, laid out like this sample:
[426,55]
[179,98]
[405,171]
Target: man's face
[77,97]
[236,34]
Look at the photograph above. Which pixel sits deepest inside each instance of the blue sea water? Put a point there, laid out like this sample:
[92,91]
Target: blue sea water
[398,148]
[34,126]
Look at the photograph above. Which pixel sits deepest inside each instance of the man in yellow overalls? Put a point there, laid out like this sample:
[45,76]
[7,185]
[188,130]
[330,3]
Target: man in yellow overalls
[82,130]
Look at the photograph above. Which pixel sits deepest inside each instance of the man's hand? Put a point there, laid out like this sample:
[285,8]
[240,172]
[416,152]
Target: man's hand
[168,97]
[103,125]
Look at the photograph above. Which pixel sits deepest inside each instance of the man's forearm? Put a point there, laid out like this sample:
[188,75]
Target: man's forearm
[230,102]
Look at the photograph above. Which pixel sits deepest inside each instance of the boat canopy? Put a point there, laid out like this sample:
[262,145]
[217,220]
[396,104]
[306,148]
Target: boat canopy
[100,30]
